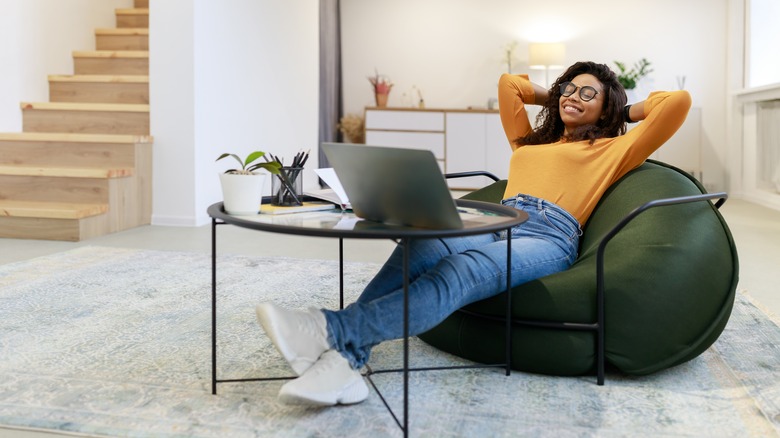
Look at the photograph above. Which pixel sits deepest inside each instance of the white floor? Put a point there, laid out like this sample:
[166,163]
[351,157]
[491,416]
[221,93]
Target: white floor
[756,231]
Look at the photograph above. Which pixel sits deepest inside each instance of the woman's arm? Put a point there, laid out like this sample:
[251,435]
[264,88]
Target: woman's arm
[636,111]
[662,113]
[514,92]
[540,94]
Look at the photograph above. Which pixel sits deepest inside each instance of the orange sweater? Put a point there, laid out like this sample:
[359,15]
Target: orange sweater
[575,175]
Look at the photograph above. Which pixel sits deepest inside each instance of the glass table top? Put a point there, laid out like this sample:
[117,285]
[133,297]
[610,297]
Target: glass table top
[478,217]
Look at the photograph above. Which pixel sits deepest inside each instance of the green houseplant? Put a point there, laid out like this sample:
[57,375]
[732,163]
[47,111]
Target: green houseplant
[242,187]
[248,166]
[628,78]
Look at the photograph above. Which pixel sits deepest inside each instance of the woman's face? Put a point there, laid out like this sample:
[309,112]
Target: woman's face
[578,112]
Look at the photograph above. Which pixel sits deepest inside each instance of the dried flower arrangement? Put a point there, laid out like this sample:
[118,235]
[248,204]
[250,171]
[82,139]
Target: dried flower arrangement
[352,126]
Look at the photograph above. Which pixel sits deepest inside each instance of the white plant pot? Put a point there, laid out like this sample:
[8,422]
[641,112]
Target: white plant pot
[242,194]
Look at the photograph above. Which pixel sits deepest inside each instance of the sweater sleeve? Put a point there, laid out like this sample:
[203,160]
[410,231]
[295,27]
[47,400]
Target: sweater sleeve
[665,112]
[514,91]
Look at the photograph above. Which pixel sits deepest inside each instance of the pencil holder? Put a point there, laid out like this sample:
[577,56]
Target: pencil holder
[287,187]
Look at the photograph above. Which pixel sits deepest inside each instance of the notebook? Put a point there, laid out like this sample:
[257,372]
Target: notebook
[394,185]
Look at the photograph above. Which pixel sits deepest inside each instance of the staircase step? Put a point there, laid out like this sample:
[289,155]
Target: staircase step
[74,138]
[135,17]
[122,39]
[53,221]
[66,172]
[111,62]
[48,189]
[50,210]
[99,88]
[71,150]
[128,203]
[88,118]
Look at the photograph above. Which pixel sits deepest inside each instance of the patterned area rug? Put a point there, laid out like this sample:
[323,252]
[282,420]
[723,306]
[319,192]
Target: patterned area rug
[116,342]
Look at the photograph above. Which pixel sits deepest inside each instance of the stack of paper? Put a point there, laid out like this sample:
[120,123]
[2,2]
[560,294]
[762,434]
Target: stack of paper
[335,193]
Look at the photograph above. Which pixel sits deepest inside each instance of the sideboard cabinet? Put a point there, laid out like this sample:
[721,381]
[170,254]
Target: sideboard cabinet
[461,140]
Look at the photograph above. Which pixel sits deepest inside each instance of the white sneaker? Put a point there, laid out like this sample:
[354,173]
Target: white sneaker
[330,381]
[300,336]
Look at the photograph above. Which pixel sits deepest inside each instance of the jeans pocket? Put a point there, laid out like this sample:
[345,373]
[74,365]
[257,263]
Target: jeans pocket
[561,223]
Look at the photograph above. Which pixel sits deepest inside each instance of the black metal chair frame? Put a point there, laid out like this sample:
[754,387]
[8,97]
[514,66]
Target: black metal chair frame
[597,326]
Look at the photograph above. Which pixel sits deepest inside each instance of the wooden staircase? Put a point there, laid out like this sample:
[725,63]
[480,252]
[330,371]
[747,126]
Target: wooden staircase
[82,165]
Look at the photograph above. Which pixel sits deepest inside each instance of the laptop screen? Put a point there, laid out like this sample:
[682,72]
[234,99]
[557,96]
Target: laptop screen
[394,185]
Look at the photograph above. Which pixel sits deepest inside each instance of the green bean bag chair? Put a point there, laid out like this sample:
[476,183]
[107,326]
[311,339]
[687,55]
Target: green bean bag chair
[669,281]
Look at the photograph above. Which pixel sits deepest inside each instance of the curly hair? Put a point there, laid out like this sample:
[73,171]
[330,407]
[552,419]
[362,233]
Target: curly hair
[550,126]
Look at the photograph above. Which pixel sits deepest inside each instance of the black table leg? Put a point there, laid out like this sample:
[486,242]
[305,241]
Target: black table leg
[508,301]
[213,306]
[406,336]
[341,273]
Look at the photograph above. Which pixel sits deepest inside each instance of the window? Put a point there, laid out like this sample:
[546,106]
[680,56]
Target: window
[763,34]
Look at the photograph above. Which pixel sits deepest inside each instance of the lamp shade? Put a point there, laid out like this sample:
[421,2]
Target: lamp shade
[546,55]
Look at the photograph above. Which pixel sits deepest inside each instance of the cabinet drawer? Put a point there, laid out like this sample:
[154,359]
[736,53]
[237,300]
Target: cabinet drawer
[405,120]
[432,141]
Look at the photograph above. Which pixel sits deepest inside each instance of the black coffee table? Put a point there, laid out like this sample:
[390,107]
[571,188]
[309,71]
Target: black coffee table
[478,217]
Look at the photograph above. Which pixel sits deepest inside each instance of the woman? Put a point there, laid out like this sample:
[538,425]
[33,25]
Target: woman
[557,175]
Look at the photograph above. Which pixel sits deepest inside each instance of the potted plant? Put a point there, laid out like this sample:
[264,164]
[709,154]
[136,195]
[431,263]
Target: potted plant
[628,78]
[242,188]
[382,86]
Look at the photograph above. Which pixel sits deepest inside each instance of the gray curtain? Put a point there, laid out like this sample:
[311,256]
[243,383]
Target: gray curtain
[331,106]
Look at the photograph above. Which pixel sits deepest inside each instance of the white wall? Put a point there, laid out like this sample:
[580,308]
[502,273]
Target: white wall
[452,50]
[38,39]
[172,117]
[234,76]
[735,80]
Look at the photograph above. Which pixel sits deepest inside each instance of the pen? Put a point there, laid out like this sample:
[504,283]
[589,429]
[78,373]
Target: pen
[300,160]
[305,157]
[297,160]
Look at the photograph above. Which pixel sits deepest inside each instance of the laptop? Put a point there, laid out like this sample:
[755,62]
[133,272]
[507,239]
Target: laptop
[395,186]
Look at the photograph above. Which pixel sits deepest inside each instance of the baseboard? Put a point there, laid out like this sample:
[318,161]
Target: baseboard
[769,200]
[180,221]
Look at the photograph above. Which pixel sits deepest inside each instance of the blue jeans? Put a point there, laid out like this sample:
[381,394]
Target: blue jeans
[447,274]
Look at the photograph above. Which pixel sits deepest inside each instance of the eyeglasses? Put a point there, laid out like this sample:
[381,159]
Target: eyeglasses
[586,93]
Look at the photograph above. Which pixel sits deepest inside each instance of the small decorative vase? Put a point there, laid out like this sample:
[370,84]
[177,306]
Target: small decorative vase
[381,100]
[242,194]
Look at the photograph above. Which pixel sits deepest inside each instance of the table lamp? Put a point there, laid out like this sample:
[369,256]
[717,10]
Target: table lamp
[544,56]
